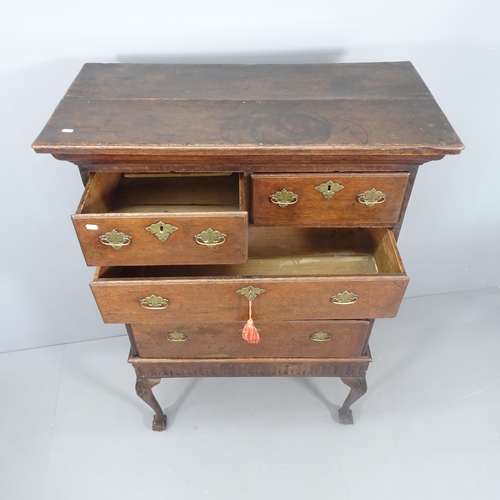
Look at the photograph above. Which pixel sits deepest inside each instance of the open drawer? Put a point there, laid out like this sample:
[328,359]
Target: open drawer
[292,274]
[155,219]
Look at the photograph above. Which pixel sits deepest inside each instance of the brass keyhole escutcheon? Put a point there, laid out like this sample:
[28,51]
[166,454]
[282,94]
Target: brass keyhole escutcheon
[250,292]
[328,189]
[161,230]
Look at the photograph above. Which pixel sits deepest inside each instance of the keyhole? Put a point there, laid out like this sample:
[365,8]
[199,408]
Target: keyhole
[161,229]
[329,187]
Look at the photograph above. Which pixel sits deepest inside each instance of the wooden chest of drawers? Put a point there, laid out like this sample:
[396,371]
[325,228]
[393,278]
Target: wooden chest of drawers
[223,199]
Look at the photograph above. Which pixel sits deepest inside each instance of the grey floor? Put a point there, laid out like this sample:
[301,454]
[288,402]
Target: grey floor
[72,428]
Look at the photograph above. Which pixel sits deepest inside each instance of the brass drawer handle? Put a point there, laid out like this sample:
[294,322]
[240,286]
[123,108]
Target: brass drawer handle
[210,238]
[161,230]
[115,239]
[372,197]
[320,336]
[177,337]
[154,302]
[328,189]
[284,198]
[344,298]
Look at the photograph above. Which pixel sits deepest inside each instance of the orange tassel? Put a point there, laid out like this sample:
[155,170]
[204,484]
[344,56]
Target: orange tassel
[250,333]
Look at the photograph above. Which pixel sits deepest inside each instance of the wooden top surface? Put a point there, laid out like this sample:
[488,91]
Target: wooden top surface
[148,109]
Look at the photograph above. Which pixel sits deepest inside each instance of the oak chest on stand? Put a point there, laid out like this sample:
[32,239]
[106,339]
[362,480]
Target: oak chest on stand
[244,218]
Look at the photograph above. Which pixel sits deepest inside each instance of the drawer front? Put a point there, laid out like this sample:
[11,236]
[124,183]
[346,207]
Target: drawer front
[156,239]
[335,339]
[328,200]
[149,301]
[304,282]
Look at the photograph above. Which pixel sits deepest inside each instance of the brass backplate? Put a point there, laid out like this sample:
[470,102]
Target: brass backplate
[161,230]
[328,189]
[115,239]
[177,337]
[250,292]
[154,302]
[284,198]
[210,238]
[371,197]
[344,298]
[320,336]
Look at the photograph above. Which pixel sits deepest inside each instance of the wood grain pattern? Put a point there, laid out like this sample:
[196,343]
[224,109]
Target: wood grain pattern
[282,367]
[313,210]
[278,339]
[393,80]
[386,251]
[243,127]
[146,249]
[296,161]
[191,204]
[113,192]
[216,300]
[413,170]
[212,297]
[380,109]
[181,189]
[98,196]
[289,252]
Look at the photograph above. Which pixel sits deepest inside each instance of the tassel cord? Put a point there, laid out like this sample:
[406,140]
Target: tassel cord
[250,333]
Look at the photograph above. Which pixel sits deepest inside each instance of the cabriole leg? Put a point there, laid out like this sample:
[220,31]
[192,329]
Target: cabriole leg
[358,388]
[143,388]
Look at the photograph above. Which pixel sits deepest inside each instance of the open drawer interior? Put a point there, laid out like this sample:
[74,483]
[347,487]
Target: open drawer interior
[302,274]
[109,192]
[293,252]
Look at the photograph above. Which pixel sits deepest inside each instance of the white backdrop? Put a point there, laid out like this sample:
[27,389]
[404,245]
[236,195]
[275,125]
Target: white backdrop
[451,237]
